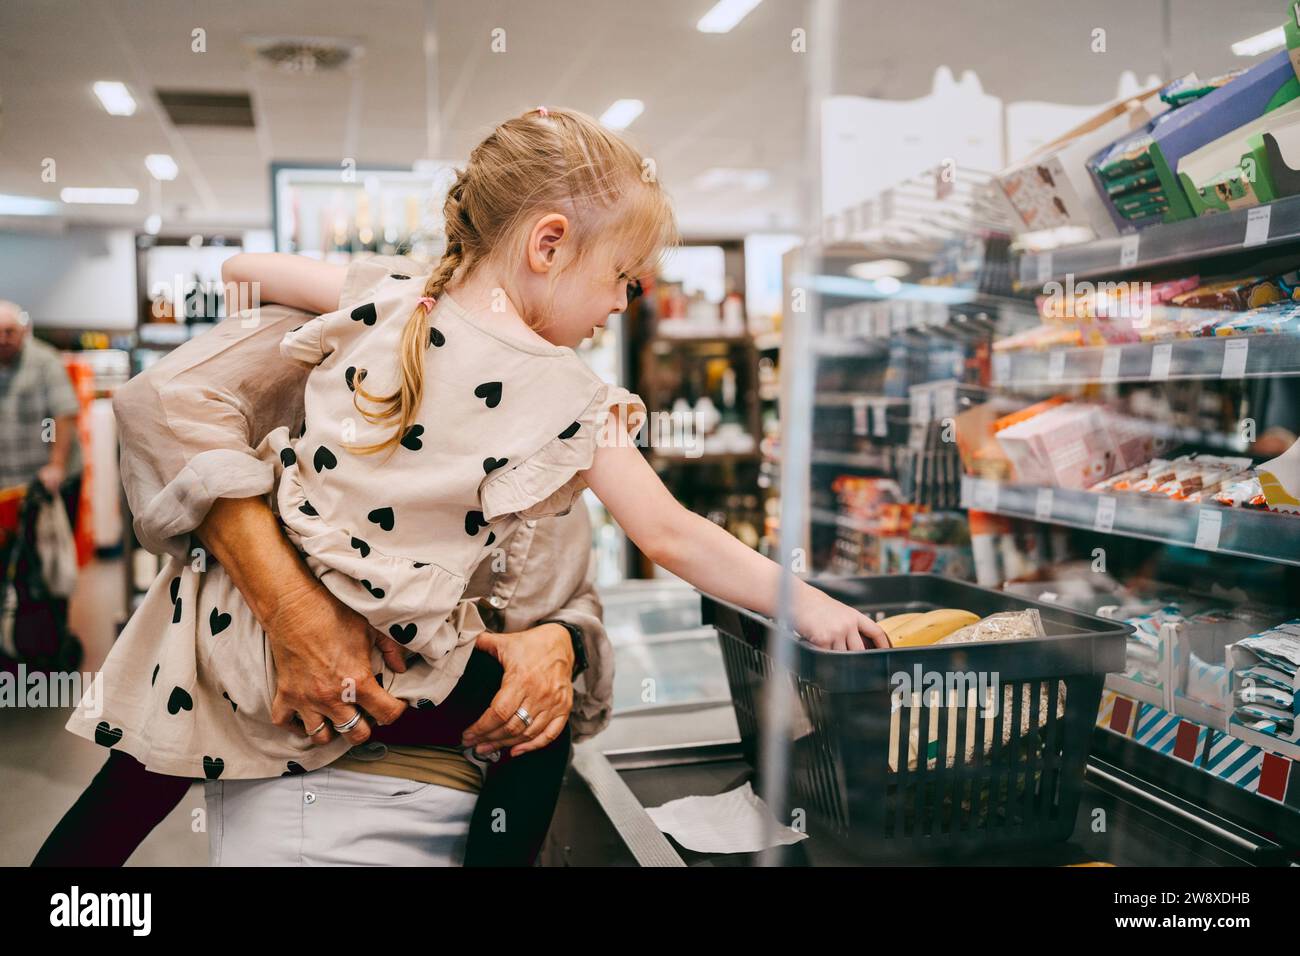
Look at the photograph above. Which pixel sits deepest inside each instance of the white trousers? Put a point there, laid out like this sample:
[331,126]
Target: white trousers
[336,818]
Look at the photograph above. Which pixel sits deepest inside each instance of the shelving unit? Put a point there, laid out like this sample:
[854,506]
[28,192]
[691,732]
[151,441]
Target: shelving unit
[1240,230]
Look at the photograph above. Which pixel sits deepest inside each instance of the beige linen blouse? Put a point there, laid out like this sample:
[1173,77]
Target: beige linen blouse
[188,426]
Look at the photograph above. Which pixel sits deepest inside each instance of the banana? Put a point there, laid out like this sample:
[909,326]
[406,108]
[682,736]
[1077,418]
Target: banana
[891,625]
[929,627]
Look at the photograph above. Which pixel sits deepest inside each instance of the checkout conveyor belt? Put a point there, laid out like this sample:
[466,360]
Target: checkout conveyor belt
[602,819]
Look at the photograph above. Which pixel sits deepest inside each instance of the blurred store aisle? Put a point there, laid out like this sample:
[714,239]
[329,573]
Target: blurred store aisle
[44,768]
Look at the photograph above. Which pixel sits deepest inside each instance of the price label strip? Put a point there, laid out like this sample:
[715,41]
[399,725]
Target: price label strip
[1209,523]
[1043,504]
[1044,266]
[1056,365]
[986,496]
[1128,251]
[1001,368]
[1105,518]
[1160,360]
[879,426]
[1234,358]
[1257,223]
[1110,364]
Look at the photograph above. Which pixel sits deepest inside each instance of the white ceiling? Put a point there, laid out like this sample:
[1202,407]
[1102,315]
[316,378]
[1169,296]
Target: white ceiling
[736,99]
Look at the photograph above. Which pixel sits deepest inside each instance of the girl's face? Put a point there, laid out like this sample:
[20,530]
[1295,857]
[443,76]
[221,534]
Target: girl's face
[582,295]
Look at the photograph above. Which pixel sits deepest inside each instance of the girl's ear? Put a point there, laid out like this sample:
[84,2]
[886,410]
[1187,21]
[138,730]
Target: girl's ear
[544,239]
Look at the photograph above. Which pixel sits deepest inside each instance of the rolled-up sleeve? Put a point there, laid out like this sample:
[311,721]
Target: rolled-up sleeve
[190,423]
[593,692]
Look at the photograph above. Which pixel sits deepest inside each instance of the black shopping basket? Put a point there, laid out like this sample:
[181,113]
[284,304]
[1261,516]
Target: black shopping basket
[913,790]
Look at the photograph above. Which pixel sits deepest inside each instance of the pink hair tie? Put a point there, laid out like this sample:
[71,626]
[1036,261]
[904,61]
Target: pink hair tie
[543,111]
[426,303]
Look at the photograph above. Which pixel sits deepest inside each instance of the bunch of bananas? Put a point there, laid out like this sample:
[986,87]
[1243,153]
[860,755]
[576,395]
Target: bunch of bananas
[920,628]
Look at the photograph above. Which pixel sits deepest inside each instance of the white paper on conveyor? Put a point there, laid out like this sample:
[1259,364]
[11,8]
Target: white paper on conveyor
[737,821]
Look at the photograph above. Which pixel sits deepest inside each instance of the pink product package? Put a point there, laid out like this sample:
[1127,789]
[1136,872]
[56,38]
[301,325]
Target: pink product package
[1131,439]
[1069,446]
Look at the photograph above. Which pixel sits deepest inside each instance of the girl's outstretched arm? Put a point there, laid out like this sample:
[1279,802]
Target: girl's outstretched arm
[284,279]
[697,550]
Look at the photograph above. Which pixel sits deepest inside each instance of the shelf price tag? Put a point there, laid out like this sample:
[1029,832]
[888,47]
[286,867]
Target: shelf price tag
[1234,358]
[1043,504]
[1056,365]
[1110,364]
[921,402]
[859,416]
[1001,368]
[879,426]
[967,490]
[1044,264]
[1209,522]
[1257,221]
[1128,251]
[985,496]
[1160,359]
[1105,519]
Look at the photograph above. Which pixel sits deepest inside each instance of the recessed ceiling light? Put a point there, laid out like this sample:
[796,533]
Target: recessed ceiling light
[161,166]
[879,269]
[116,197]
[115,97]
[621,113]
[26,206]
[1273,39]
[888,285]
[725,14]
[152,224]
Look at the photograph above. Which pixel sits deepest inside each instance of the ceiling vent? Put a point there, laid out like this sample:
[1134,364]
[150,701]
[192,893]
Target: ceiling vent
[306,55]
[202,108]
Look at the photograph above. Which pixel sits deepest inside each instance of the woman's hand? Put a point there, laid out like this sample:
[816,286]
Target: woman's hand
[538,666]
[322,647]
[827,623]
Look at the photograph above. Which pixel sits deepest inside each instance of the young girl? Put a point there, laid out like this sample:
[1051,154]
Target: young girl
[439,417]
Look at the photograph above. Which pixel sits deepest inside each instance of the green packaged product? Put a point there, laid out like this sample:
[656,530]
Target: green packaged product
[1142,179]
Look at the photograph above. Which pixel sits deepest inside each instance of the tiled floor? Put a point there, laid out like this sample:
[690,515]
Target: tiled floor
[43,768]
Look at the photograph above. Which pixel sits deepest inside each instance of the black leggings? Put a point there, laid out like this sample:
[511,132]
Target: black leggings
[124,802]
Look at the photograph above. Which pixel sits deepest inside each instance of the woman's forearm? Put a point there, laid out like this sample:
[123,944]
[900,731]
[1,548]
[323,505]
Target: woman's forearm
[245,538]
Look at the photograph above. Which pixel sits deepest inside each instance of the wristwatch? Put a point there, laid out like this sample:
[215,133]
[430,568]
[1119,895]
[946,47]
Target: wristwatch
[579,651]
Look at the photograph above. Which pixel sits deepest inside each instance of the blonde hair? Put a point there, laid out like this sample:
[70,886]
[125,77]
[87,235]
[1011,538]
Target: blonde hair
[548,160]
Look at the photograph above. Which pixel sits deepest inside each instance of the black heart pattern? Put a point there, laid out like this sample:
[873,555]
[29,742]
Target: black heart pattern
[436,338]
[365,313]
[107,736]
[403,633]
[308,510]
[473,521]
[362,547]
[397,275]
[351,376]
[287,457]
[233,705]
[490,392]
[492,464]
[570,431]
[379,678]
[154,679]
[218,621]
[179,700]
[492,536]
[176,589]
[212,767]
[421,564]
[176,611]
[382,517]
[294,768]
[424,704]
[324,458]
[376,592]
[411,440]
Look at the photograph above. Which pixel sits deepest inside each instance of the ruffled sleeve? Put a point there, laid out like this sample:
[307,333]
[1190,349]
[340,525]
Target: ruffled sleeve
[306,343]
[546,483]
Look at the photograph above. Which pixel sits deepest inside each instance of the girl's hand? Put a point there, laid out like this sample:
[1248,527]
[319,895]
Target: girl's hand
[538,676]
[825,622]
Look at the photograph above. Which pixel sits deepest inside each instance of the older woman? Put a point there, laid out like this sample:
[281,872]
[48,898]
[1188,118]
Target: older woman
[189,425]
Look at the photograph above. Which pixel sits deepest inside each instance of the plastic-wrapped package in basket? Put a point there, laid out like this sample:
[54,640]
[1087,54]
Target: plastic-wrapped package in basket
[982,713]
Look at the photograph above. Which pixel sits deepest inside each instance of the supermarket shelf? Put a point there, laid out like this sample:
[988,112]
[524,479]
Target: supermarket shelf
[1275,224]
[1241,532]
[668,341]
[1234,356]
[824,517]
[1135,689]
[872,461]
[849,399]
